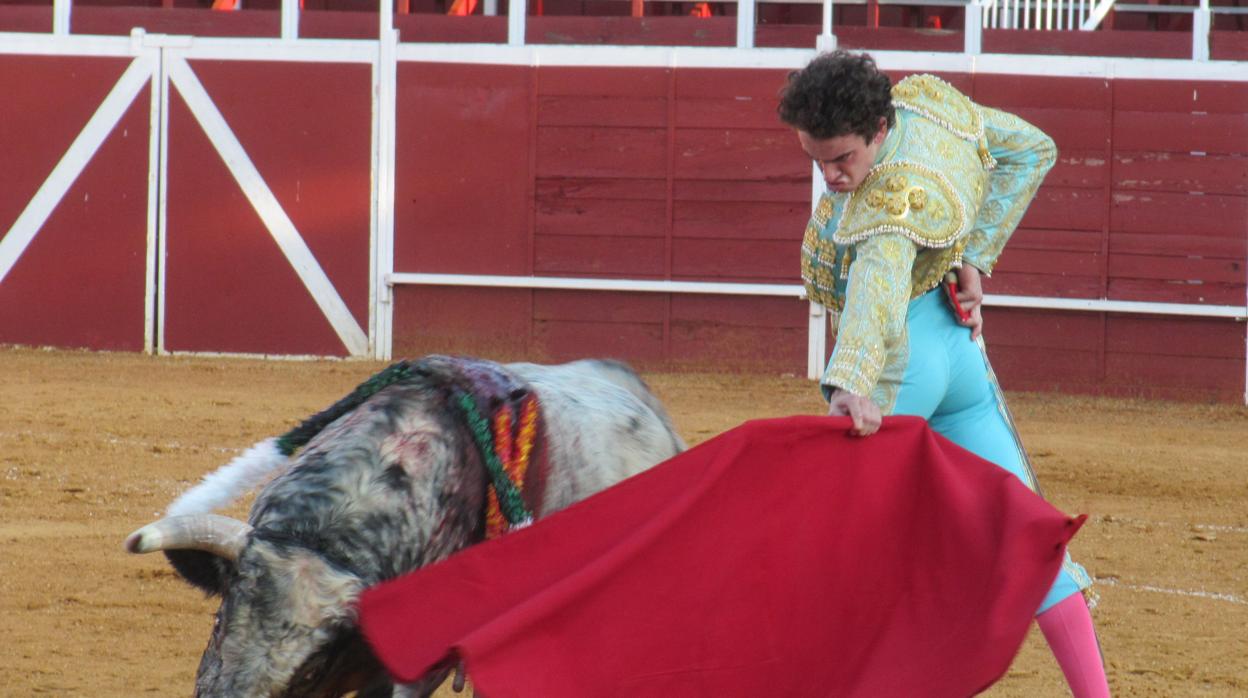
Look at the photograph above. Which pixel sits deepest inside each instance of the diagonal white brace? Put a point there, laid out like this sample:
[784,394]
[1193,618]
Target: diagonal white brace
[266,205]
[80,152]
[1099,10]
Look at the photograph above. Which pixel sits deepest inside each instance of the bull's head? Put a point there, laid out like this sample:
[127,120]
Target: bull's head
[389,488]
[286,624]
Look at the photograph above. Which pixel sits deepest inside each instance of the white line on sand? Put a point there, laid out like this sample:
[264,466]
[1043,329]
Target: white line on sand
[1215,596]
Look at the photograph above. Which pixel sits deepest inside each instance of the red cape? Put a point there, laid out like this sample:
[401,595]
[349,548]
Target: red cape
[784,557]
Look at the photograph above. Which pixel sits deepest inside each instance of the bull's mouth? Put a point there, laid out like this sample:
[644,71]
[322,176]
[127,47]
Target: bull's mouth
[344,666]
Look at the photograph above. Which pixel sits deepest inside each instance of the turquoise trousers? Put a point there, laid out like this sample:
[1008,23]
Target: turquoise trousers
[949,382]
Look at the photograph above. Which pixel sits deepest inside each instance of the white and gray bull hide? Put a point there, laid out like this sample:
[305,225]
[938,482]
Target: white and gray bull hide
[392,486]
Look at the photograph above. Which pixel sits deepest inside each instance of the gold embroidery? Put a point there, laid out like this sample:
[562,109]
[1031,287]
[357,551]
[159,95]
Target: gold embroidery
[871,331]
[931,265]
[935,204]
[1026,154]
[823,212]
[818,258]
[926,206]
[917,198]
[931,224]
[889,383]
[937,100]
[985,157]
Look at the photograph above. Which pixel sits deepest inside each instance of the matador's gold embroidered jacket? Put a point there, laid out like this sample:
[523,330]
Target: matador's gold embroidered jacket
[949,185]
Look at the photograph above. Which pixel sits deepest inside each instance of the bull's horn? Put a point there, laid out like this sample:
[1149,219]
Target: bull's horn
[212,533]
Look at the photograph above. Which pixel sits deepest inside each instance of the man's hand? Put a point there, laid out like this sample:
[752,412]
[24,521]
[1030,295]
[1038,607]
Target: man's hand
[866,414]
[971,298]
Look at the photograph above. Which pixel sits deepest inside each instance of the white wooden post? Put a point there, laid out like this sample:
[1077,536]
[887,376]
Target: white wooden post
[60,17]
[817,329]
[826,41]
[817,347]
[385,105]
[973,29]
[290,20]
[1200,32]
[516,10]
[745,23]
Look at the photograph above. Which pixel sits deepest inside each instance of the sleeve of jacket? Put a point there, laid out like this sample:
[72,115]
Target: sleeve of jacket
[1024,154]
[873,322]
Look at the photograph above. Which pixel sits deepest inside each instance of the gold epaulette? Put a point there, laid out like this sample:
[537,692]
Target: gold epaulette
[907,198]
[940,102]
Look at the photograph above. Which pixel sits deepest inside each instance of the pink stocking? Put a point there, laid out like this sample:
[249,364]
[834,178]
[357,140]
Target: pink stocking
[1068,628]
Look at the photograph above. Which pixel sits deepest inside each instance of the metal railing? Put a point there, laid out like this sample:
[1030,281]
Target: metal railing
[1036,14]
[1086,15]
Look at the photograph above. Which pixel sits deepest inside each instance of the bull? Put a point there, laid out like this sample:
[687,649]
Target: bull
[394,483]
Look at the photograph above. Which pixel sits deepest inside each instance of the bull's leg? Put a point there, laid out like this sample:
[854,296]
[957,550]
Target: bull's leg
[425,686]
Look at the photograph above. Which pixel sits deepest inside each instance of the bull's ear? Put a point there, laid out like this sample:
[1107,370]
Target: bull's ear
[202,569]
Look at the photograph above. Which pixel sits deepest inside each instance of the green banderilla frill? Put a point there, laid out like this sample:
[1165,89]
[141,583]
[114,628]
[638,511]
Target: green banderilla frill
[302,434]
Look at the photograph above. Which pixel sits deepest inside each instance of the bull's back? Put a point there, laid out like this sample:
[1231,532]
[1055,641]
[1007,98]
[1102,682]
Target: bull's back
[602,425]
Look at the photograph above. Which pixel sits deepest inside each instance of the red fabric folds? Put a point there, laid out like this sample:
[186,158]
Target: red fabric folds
[784,557]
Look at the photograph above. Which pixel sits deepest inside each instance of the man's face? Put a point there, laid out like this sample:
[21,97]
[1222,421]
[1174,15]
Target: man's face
[843,160]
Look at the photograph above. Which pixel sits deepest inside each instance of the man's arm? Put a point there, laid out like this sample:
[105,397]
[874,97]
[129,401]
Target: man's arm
[1024,154]
[872,323]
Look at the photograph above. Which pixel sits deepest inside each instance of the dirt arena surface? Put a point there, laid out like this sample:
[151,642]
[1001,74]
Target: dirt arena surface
[94,445]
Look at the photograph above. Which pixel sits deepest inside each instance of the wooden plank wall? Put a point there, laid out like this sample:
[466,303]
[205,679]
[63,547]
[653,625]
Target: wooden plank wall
[1058,250]
[639,174]
[81,281]
[228,285]
[634,173]
[1179,229]
[686,174]
[1148,202]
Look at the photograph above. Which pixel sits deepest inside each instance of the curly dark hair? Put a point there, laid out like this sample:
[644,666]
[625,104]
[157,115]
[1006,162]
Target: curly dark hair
[837,94]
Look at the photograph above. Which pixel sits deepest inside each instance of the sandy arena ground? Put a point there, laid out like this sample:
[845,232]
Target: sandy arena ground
[95,445]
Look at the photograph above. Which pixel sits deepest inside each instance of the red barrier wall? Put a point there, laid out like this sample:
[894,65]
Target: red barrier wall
[632,173]
[653,173]
[649,173]
[1149,202]
[229,288]
[81,281]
